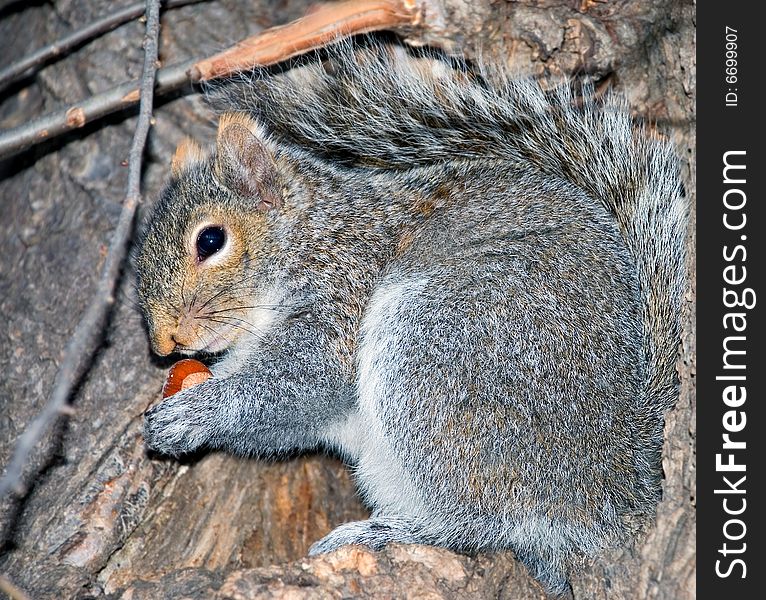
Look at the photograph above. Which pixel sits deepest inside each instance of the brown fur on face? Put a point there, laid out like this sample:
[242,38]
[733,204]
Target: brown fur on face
[187,154]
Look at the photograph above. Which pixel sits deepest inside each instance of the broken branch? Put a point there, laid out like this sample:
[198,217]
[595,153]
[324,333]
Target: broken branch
[329,22]
[123,96]
[93,30]
[88,333]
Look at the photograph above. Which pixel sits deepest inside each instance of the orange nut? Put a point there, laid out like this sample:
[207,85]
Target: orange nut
[185,374]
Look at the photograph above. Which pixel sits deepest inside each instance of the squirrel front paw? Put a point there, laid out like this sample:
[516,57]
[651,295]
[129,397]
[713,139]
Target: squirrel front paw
[180,424]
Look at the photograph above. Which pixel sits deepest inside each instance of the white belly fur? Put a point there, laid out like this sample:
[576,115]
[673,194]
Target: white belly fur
[383,481]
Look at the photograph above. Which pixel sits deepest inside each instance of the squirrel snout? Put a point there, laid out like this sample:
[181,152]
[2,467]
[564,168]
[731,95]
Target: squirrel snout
[163,345]
[170,336]
[165,338]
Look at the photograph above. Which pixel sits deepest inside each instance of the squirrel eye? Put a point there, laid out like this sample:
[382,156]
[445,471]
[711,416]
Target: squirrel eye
[209,241]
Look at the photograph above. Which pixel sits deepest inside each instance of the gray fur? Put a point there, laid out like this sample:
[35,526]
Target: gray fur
[468,287]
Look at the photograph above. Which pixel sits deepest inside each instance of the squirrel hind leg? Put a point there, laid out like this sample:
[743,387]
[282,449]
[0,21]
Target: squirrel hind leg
[374,533]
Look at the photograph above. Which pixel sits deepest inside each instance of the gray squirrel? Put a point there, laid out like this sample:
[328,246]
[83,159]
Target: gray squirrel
[466,285]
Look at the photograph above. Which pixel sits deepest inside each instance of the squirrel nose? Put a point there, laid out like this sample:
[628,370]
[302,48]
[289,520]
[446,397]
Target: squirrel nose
[164,345]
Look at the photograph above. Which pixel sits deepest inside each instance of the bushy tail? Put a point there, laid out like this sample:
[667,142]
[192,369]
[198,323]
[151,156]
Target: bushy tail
[383,107]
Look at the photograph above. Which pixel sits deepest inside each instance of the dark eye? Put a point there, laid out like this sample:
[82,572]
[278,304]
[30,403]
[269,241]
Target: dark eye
[209,241]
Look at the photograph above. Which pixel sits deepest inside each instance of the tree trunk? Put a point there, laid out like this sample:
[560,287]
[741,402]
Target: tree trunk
[98,516]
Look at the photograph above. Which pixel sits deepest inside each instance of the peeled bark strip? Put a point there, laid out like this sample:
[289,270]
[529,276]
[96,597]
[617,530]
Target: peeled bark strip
[326,23]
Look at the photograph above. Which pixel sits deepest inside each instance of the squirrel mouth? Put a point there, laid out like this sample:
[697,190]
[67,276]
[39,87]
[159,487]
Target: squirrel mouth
[217,342]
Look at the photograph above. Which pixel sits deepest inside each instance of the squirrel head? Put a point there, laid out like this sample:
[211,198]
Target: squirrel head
[195,261]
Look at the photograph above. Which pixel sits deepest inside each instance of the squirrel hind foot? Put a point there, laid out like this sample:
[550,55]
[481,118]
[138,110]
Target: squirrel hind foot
[547,567]
[374,533]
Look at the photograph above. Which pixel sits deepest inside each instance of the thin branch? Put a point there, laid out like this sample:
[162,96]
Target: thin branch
[88,333]
[60,47]
[11,590]
[327,23]
[123,96]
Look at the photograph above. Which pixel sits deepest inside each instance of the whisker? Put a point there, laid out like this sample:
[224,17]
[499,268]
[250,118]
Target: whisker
[183,292]
[208,328]
[232,318]
[130,302]
[246,327]
[214,296]
[277,305]
[249,327]
[274,307]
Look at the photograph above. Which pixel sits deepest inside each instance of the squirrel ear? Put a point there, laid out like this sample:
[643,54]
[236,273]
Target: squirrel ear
[243,163]
[188,153]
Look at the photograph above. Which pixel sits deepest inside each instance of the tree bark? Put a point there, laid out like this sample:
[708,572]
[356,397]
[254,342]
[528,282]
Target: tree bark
[99,517]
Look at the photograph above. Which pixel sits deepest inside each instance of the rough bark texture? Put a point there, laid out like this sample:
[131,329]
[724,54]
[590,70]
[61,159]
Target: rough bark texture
[98,516]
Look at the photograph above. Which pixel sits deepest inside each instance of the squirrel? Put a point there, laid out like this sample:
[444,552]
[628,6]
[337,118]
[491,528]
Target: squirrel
[465,283]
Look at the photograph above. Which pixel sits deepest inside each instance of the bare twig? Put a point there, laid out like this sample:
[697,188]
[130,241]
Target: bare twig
[11,590]
[126,95]
[89,330]
[76,38]
[327,23]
